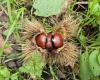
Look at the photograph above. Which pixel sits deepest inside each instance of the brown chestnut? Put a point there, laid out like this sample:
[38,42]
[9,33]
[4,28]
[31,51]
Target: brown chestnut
[49,44]
[57,40]
[41,40]
[49,41]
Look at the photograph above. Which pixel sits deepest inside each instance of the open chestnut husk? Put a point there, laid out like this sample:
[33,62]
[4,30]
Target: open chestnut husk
[55,47]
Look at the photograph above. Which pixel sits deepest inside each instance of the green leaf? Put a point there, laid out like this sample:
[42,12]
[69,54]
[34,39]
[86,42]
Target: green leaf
[85,72]
[94,9]
[14,76]
[98,20]
[93,62]
[34,65]
[82,39]
[93,6]
[96,42]
[99,58]
[4,72]
[47,7]
[1,52]
[1,77]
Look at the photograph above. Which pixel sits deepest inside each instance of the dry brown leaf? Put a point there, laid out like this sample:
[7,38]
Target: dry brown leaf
[7,50]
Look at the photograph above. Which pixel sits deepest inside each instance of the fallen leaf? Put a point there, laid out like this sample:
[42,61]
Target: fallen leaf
[7,50]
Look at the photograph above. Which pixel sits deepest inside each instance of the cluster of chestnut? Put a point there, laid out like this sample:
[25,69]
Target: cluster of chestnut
[49,41]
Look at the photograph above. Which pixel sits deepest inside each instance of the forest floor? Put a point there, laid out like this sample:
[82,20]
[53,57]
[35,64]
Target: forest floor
[12,15]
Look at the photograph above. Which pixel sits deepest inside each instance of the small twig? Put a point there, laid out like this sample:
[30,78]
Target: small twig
[85,2]
[82,6]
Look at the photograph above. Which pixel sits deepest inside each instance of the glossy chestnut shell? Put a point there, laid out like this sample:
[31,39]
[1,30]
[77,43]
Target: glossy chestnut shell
[57,40]
[41,40]
[49,44]
[49,41]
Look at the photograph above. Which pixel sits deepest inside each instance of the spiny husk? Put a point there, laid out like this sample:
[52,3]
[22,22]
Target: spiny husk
[31,28]
[68,27]
[66,55]
[28,49]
